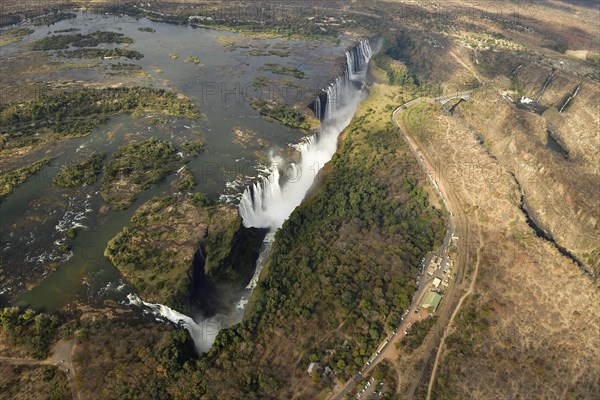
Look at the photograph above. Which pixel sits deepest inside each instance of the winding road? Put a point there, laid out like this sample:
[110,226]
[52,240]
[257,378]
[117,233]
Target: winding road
[457,225]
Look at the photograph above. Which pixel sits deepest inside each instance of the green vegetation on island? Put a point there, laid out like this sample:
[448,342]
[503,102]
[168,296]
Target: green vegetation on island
[193,59]
[284,70]
[52,19]
[11,179]
[147,29]
[156,254]
[185,181]
[232,17]
[281,113]
[260,82]
[61,42]
[101,53]
[83,173]
[264,53]
[124,68]
[193,148]
[76,112]
[68,30]
[134,167]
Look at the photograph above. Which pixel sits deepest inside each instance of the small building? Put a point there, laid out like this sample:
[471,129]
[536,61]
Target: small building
[313,367]
[431,301]
[327,374]
[436,282]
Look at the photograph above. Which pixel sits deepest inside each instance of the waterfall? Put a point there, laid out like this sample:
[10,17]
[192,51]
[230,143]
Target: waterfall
[545,85]
[203,333]
[570,98]
[270,201]
[317,107]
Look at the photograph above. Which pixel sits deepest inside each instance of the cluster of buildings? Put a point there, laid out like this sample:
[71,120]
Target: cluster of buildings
[438,268]
[315,368]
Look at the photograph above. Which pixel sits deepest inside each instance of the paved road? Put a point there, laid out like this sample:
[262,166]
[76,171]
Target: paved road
[425,281]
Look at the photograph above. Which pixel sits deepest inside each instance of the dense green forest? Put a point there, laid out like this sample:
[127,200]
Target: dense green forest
[28,331]
[51,19]
[281,113]
[61,42]
[83,173]
[417,335]
[119,360]
[134,167]
[101,53]
[28,381]
[397,73]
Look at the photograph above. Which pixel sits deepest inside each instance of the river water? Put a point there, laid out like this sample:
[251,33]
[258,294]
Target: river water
[35,217]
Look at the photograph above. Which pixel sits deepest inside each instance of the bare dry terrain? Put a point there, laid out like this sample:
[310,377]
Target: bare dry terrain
[530,329]
[531,318]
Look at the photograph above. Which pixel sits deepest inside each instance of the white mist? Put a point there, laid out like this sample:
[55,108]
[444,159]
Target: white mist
[269,202]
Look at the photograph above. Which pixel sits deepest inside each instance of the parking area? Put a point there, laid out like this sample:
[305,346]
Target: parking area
[372,390]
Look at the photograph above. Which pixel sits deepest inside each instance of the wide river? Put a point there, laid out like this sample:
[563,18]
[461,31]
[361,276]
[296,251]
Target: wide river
[36,215]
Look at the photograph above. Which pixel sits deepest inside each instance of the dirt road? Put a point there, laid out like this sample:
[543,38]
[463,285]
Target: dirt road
[453,203]
[60,357]
[457,226]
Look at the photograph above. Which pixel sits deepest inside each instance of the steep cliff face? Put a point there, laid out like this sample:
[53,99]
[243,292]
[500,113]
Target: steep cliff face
[158,253]
[576,127]
[561,192]
[231,256]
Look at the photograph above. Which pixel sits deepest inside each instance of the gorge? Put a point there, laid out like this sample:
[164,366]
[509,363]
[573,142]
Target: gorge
[270,201]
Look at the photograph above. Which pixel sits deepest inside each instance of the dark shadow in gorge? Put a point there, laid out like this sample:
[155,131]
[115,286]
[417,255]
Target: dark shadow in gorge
[218,292]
